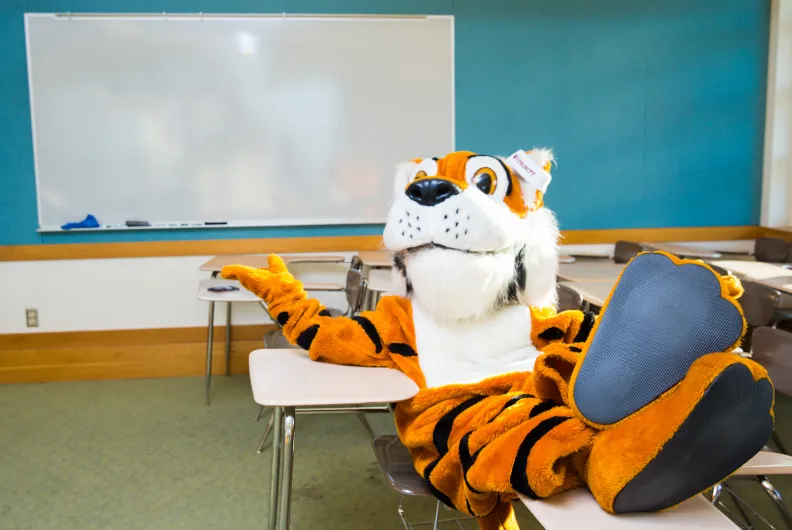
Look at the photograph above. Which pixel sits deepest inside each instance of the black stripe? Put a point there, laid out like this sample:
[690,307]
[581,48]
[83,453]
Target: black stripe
[511,402]
[544,406]
[469,508]
[439,495]
[575,349]
[325,313]
[398,262]
[508,176]
[518,282]
[519,477]
[402,349]
[306,337]
[283,317]
[371,331]
[519,266]
[442,430]
[585,327]
[466,459]
[552,334]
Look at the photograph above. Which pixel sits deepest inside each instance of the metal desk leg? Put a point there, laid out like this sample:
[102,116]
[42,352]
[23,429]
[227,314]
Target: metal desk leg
[209,341]
[288,466]
[277,427]
[229,305]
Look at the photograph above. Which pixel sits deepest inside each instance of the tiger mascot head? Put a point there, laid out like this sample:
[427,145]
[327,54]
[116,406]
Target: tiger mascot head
[470,233]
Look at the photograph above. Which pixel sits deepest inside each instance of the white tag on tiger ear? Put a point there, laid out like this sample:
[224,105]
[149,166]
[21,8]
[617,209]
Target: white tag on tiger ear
[529,171]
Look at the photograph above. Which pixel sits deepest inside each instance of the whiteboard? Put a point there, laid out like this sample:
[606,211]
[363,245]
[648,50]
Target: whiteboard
[253,120]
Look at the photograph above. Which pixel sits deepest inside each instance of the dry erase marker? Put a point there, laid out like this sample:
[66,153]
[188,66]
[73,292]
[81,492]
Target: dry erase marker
[215,223]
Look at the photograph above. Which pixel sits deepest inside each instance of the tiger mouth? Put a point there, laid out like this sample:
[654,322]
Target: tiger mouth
[430,246]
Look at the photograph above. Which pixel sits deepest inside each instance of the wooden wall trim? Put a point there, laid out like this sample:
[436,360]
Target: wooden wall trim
[337,244]
[640,235]
[203,247]
[122,354]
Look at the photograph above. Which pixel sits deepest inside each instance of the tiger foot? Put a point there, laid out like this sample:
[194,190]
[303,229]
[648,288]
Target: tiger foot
[688,440]
[662,316]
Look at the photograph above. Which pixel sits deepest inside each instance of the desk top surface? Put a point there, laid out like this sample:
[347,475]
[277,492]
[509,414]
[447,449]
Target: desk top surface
[683,251]
[578,509]
[242,295]
[604,270]
[767,463]
[289,378]
[768,274]
[376,258]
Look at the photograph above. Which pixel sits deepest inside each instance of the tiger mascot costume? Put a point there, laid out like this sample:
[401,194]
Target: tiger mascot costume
[646,404]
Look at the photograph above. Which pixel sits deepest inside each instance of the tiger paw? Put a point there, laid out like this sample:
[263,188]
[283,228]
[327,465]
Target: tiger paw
[713,422]
[663,315]
[266,283]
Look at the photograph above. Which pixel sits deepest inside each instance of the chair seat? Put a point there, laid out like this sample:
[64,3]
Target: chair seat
[277,340]
[396,463]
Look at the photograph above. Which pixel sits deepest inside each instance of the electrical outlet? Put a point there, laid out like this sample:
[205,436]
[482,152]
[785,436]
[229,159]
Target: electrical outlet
[32,318]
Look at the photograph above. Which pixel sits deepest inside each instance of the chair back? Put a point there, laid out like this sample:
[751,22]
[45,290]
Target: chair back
[356,263]
[624,251]
[759,303]
[772,348]
[396,463]
[772,250]
[568,298]
[355,290]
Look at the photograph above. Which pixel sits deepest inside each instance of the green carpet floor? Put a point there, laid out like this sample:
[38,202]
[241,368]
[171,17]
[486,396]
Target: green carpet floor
[147,454]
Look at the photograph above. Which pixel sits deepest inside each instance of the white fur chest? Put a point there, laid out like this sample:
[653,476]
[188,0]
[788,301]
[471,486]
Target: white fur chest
[472,350]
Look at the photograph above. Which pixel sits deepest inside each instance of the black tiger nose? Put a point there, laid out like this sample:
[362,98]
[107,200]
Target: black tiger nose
[429,192]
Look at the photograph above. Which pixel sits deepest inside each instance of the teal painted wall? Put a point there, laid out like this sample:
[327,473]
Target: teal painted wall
[655,108]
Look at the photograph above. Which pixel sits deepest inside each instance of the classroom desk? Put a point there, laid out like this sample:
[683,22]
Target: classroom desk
[205,295]
[769,274]
[285,379]
[591,270]
[259,261]
[216,264]
[683,251]
[594,292]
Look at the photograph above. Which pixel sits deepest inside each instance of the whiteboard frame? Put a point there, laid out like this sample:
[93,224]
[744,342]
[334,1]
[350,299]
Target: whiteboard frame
[200,16]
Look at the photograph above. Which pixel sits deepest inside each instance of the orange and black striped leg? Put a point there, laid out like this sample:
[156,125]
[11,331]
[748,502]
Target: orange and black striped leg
[489,448]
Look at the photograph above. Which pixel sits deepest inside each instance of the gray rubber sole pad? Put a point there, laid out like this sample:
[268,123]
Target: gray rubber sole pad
[660,319]
[730,424]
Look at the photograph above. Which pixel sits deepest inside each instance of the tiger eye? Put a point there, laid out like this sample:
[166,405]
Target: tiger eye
[485,180]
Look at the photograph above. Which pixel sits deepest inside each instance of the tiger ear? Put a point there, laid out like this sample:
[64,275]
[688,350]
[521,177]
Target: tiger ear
[404,174]
[533,169]
[543,157]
